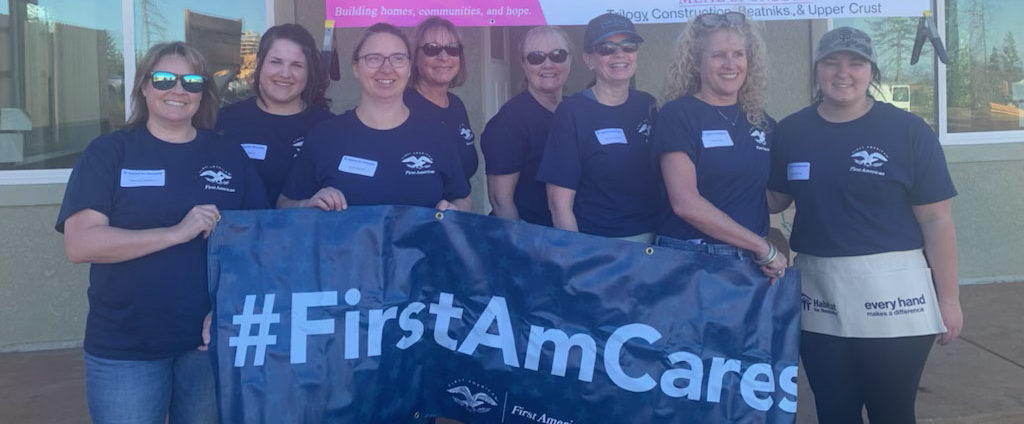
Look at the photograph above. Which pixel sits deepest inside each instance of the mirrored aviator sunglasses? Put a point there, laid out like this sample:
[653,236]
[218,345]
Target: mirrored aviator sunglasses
[537,57]
[607,48]
[714,20]
[192,83]
[434,49]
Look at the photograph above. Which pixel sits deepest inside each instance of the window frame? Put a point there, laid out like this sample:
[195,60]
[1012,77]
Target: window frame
[61,175]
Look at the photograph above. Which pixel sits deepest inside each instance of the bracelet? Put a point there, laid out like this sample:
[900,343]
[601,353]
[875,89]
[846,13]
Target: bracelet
[772,253]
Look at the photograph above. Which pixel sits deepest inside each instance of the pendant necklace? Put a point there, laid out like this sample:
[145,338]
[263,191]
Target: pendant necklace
[726,118]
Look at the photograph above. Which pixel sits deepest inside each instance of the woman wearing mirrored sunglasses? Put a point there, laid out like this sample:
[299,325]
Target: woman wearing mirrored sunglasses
[379,153]
[439,65]
[290,83]
[514,139]
[138,207]
[597,163]
[713,142]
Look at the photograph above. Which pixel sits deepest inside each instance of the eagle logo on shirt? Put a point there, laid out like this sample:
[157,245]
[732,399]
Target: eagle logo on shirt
[870,157]
[417,160]
[216,176]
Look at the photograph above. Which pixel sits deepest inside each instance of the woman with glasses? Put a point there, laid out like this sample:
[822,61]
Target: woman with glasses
[290,85]
[138,207]
[874,230]
[713,142]
[378,153]
[514,139]
[439,65]
[597,163]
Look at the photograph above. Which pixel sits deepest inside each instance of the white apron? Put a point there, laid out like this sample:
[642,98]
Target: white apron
[882,295]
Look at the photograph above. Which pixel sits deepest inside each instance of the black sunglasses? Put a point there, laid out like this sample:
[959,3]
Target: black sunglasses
[607,48]
[537,57]
[434,49]
[192,83]
[714,20]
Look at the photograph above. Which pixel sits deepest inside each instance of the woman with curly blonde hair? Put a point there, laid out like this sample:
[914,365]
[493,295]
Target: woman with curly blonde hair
[713,141]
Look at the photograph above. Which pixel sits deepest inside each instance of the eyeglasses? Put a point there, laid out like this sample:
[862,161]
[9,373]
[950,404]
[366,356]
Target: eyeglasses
[163,81]
[607,48]
[434,49]
[376,60]
[715,20]
[537,57]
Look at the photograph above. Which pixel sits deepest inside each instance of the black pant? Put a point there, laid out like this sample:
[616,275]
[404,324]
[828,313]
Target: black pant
[847,374]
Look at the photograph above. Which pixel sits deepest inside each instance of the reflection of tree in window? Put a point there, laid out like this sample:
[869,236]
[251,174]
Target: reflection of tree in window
[154,24]
[893,38]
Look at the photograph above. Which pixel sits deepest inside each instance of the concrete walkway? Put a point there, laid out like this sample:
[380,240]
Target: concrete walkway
[978,379]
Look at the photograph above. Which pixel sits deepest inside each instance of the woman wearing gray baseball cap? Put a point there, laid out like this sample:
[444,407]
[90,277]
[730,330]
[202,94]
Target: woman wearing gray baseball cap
[597,161]
[874,232]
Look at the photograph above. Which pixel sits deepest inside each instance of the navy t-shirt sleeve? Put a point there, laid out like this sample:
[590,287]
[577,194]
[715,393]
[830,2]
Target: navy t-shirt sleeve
[255,196]
[560,164]
[503,144]
[467,149]
[93,181]
[302,182]
[456,185]
[672,133]
[778,179]
[932,182]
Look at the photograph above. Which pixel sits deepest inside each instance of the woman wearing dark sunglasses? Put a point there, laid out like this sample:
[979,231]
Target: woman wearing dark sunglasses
[713,142]
[513,141]
[290,85]
[378,153]
[438,65]
[139,206]
[597,163]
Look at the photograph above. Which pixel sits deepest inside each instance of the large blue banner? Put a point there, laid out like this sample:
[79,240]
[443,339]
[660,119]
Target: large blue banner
[397,314]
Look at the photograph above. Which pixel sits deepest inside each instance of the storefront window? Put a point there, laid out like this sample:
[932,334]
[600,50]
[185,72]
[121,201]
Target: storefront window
[985,76]
[227,32]
[908,87]
[61,79]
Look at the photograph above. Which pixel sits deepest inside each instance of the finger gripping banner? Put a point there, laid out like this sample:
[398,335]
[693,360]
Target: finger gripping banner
[391,314]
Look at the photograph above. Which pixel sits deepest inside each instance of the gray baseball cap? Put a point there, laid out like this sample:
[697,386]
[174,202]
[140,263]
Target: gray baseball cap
[605,26]
[846,39]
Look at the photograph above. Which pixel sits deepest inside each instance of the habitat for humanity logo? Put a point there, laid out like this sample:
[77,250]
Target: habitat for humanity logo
[467,133]
[217,176]
[760,138]
[867,159]
[817,305]
[644,128]
[464,394]
[419,163]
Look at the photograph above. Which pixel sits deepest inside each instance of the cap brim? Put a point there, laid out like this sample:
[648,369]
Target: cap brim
[633,36]
[843,49]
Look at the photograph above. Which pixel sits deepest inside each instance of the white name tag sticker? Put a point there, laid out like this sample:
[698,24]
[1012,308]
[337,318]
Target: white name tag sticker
[358,166]
[608,136]
[142,177]
[715,138]
[255,151]
[798,171]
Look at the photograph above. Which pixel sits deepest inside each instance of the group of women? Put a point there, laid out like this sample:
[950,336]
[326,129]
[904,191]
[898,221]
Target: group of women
[870,184]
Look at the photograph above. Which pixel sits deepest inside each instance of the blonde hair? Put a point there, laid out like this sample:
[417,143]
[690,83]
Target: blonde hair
[206,115]
[683,77]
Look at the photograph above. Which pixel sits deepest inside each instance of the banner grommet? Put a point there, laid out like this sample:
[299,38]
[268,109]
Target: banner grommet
[649,250]
[439,215]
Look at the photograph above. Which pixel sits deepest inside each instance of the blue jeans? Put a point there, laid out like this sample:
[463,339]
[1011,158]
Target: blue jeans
[711,249]
[180,388]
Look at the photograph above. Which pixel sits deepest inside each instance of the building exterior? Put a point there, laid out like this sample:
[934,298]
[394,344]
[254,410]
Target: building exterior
[63,81]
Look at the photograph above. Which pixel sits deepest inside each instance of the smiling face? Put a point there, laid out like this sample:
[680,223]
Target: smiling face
[441,69]
[387,81]
[844,78]
[284,74]
[723,67]
[174,106]
[617,67]
[548,77]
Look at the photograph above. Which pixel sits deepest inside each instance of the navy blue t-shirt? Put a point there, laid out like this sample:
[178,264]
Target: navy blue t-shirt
[855,183]
[271,141]
[456,123]
[603,153]
[153,306]
[731,158]
[412,164]
[513,141]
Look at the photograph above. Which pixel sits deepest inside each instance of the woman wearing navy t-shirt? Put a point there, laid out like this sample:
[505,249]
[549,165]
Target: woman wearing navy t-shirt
[290,85]
[439,65]
[597,162]
[514,138]
[874,232]
[378,153]
[713,141]
[139,206]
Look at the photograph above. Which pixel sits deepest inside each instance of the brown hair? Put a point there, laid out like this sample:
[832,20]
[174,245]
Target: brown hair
[417,41]
[206,116]
[316,80]
[378,28]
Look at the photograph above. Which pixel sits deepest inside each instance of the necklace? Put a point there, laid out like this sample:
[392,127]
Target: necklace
[726,118]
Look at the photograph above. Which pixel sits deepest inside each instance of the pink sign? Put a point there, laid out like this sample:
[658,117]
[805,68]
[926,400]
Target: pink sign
[363,13]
